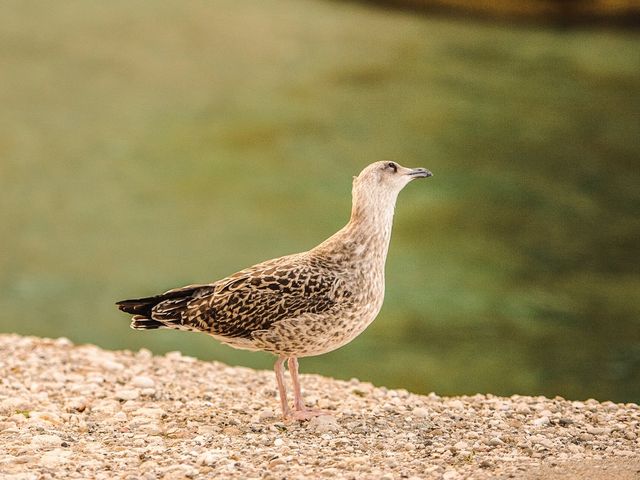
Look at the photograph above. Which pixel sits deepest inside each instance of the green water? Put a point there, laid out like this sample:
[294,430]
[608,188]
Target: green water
[146,147]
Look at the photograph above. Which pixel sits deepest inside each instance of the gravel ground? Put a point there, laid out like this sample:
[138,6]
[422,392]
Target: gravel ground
[71,411]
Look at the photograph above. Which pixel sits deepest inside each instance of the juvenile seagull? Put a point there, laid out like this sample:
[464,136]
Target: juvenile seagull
[299,305]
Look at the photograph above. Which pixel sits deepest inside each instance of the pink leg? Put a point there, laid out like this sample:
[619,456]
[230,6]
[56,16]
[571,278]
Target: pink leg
[301,412]
[298,403]
[282,389]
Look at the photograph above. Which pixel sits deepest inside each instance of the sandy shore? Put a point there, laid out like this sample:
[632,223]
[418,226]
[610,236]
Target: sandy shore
[70,411]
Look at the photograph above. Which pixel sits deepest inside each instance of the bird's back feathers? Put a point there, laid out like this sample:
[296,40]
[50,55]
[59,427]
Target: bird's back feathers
[250,300]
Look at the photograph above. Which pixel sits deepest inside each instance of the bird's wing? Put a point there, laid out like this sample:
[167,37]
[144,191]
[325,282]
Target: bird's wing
[255,298]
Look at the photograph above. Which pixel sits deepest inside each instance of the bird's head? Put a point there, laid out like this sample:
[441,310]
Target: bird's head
[378,185]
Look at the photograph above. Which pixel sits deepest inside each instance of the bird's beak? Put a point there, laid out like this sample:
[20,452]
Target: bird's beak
[419,173]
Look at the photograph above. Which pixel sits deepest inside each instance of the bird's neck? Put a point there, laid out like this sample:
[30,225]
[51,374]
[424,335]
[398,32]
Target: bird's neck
[366,237]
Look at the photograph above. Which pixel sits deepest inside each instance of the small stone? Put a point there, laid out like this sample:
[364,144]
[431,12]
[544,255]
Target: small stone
[8,426]
[541,421]
[120,417]
[461,446]
[420,412]
[55,457]
[149,412]
[575,448]
[266,414]
[144,354]
[111,366]
[456,405]
[208,458]
[151,428]
[449,475]
[276,462]
[40,441]
[77,405]
[278,442]
[48,417]
[232,431]
[324,424]
[126,394]
[544,442]
[19,418]
[142,382]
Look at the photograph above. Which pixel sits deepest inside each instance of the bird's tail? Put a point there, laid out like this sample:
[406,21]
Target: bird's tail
[159,311]
[139,306]
[141,309]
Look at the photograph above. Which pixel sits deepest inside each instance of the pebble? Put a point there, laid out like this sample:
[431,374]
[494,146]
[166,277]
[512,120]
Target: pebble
[127,394]
[148,412]
[598,431]
[142,382]
[541,421]
[208,458]
[266,414]
[420,412]
[120,417]
[232,431]
[461,446]
[46,440]
[63,342]
[48,417]
[111,366]
[544,442]
[324,424]
[276,462]
[55,457]
[585,437]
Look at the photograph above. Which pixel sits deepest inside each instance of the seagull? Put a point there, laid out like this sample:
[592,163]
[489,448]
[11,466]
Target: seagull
[298,305]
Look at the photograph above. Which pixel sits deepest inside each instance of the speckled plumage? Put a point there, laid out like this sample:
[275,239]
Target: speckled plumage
[298,305]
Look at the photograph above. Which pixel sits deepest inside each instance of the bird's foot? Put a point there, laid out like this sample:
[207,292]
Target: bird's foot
[306,414]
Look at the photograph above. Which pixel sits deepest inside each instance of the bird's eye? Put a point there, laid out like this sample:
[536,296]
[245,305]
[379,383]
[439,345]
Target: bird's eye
[392,166]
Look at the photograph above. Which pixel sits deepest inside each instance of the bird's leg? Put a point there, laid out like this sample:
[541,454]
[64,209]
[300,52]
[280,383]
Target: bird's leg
[301,412]
[298,403]
[282,389]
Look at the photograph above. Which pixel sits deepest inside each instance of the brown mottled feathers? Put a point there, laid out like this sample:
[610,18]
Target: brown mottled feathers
[250,300]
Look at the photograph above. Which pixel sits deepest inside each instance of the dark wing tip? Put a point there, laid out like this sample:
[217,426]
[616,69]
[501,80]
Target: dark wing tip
[137,306]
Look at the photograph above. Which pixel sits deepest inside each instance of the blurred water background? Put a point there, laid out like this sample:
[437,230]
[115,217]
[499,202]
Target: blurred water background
[145,146]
